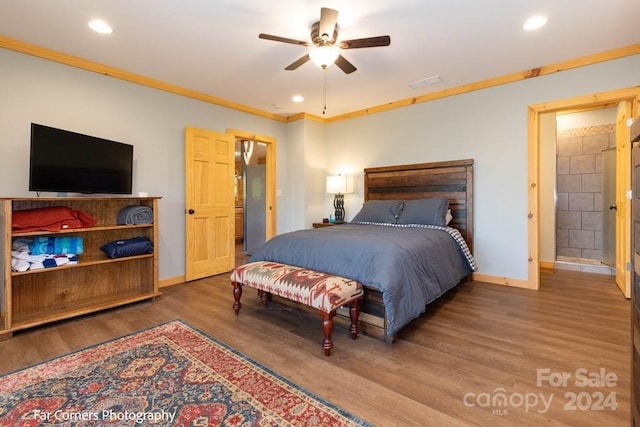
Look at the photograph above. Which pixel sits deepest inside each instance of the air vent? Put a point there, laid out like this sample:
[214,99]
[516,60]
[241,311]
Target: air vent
[425,82]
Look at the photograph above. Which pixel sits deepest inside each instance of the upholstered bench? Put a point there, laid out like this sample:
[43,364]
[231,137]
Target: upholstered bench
[322,291]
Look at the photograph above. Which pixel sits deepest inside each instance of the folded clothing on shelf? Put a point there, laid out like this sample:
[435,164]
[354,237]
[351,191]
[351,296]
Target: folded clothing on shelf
[51,218]
[135,214]
[55,261]
[128,247]
[39,252]
[23,261]
[56,245]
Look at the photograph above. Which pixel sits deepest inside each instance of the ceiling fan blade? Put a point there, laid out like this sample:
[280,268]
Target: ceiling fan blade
[282,39]
[366,42]
[328,21]
[297,63]
[345,65]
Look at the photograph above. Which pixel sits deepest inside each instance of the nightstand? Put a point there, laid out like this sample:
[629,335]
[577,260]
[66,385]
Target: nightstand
[324,224]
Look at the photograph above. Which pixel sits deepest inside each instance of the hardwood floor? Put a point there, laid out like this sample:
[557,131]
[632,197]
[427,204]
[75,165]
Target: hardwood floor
[450,367]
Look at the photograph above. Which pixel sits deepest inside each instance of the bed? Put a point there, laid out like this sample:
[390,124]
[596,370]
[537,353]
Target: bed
[402,246]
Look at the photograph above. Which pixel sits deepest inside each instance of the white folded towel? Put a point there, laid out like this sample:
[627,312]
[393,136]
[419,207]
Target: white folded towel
[19,264]
[26,256]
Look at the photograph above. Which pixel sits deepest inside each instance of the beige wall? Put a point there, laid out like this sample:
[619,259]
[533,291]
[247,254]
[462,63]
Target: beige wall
[489,126]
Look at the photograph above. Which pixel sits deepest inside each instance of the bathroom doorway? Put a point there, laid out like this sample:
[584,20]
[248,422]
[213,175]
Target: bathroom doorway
[542,193]
[259,151]
[585,190]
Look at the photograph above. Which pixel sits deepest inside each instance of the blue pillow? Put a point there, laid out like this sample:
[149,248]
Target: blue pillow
[380,211]
[128,247]
[431,211]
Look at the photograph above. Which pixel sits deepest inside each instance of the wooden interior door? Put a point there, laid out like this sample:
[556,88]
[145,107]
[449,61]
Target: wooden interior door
[635,273]
[623,207]
[209,204]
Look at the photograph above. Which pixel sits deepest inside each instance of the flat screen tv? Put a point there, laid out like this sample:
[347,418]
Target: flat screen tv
[64,161]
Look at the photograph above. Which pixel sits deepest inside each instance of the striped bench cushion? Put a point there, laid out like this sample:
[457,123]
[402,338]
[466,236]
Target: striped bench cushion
[322,291]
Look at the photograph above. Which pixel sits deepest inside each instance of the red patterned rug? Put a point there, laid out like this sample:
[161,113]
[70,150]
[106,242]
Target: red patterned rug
[168,375]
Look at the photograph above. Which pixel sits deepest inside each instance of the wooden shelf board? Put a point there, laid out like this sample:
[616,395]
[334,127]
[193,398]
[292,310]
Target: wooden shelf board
[79,230]
[83,261]
[77,308]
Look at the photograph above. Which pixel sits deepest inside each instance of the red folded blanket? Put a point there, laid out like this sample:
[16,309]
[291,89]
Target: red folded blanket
[53,218]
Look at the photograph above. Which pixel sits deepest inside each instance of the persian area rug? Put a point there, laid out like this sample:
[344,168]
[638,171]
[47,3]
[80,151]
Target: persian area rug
[168,375]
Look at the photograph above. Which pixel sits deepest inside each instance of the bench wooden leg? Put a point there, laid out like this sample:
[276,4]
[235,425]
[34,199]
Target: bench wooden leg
[237,293]
[354,315]
[264,296]
[327,328]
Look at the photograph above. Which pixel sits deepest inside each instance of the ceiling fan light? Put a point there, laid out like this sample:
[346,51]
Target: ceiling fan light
[324,56]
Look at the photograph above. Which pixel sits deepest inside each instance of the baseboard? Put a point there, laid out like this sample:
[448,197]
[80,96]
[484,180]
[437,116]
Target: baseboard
[171,281]
[547,264]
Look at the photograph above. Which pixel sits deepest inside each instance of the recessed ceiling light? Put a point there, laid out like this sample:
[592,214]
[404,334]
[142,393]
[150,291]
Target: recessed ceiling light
[535,22]
[100,26]
[297,98]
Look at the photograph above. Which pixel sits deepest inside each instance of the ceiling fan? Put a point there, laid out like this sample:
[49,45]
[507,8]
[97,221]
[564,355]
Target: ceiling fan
[324,50]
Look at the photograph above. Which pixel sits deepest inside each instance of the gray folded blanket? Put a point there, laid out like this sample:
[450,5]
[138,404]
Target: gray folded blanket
[135,214]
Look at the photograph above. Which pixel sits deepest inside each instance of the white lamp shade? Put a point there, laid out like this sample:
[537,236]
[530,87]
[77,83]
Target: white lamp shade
[339,184]
[324,56]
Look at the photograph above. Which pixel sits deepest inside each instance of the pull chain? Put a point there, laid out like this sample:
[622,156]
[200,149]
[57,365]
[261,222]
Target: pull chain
[324,91]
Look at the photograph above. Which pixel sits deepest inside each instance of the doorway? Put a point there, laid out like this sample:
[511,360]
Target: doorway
[250,195]
[256,152]
[585,177]
[626,102]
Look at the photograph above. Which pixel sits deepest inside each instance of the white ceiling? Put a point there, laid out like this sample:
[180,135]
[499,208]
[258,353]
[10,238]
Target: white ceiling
[212,46]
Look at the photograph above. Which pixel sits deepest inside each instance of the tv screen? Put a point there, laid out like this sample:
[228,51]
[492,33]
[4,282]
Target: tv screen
[64,161]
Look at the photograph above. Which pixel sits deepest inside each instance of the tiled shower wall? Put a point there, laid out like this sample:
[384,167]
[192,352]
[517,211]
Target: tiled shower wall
[579,190]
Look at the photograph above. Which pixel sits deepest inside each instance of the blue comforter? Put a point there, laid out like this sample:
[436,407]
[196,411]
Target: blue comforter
[411,266]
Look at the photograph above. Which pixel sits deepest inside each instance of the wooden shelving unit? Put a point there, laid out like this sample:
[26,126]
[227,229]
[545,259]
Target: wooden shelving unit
[96,282]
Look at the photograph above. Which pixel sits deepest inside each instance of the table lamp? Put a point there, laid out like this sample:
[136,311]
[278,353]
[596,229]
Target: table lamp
[339,185]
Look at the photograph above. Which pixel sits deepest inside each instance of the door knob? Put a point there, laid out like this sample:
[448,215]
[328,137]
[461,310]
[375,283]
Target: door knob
[191,211]
[613,207]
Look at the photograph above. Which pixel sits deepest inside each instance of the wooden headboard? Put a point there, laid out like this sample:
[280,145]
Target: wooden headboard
[451,179]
